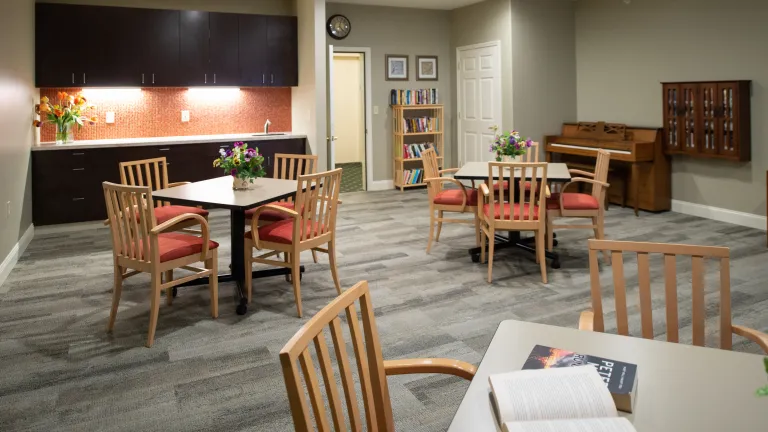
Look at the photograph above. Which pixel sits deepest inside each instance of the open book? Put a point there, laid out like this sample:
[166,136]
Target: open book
[557,400]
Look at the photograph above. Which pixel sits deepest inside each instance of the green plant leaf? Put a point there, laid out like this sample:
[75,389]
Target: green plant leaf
[762,391]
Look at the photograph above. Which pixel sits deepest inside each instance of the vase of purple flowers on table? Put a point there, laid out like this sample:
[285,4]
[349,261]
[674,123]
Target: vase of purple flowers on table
[509,146]
[244,164]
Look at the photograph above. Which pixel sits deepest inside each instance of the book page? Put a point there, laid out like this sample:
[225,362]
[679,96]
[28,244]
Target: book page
[551,394]
[582,425]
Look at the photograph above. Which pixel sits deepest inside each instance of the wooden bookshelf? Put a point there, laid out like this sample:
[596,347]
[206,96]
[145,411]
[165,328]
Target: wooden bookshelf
[402,136]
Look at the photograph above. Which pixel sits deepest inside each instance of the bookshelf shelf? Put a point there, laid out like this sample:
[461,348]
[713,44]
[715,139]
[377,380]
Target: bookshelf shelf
[406,119]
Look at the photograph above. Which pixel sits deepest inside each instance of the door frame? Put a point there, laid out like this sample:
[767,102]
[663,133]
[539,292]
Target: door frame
[490,44]
[368,106]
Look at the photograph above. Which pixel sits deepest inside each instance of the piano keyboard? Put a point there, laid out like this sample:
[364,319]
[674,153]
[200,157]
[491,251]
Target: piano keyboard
[594,149]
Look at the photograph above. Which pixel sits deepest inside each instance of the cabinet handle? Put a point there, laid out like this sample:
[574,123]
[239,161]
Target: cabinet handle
[206,79]
[153,78]
[163,149]
[142,78]
[83,77]
[78,169]
[73,77]
[78,199]
[268,161]
[271,78]
[214,78]
[78,154]
[263,78]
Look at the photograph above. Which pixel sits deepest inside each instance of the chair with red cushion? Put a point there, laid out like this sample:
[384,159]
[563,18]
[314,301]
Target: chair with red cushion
[581,205]
[523,212]
[153,173]
[141,245]
[287,167]
[532,155]
[317,195]
[461,200]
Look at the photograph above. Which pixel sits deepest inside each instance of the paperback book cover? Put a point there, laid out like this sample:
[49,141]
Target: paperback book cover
[619,377]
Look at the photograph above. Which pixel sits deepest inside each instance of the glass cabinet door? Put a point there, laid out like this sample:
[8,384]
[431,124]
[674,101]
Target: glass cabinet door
[709,111]
[687,123]
[727,118]
[671,120]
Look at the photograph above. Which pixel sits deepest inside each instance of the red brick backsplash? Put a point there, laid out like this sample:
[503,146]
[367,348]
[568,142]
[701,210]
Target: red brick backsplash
[156,112]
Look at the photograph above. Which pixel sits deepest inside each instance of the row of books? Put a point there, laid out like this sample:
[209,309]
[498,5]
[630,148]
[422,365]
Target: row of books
[413,97]
[421,124]
[411,151]
[413,176]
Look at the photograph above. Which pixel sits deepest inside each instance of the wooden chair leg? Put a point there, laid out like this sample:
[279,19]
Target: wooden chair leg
[431,228]
[482,246]
[287,258]
[116,292]
[540,256]
[439,225]
[213,281]
[536,242]
[491,243]
[154,309]
[296,277]
[477,230]
[332,260]
[314,256]
[550,234]
[168,276]
[601,236]
[248,266]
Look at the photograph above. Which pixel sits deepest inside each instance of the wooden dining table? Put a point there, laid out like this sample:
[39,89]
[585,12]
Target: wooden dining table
[218,193]
[479,171]
[680,387]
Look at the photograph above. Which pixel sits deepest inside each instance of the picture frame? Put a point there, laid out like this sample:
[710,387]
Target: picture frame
[397,67]
[426,68]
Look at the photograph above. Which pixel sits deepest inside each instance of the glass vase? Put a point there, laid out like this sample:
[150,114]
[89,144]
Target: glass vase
[64,133]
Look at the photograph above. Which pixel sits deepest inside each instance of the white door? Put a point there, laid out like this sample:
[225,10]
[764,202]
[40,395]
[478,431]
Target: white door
[329,109]
[479,94]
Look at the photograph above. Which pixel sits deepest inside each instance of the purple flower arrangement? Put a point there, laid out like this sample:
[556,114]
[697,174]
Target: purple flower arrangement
[241,162]
[509,143]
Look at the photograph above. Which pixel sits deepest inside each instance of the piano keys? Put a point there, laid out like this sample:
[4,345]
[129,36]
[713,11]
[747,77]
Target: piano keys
[638,163]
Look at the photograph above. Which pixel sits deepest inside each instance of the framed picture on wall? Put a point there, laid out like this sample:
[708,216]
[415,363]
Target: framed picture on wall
[426,68]
[397,67]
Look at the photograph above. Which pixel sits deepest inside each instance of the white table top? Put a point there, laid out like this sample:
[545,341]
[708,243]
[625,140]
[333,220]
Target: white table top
[479,171]
[680,387]
[218,192]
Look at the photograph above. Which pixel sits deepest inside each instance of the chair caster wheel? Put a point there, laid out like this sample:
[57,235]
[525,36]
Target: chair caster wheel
[556,264]
[175,292]
[475,258]
[242,308]
[554,242]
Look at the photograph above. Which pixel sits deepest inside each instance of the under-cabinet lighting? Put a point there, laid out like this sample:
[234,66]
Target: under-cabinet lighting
[213,94]
[112,94]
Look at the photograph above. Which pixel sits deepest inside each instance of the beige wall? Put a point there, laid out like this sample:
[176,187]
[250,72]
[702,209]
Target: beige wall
[389,30]
[17,93]
[268,7]
[348,99]
[625,51]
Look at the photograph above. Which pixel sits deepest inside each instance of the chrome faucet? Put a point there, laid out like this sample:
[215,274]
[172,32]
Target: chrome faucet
[266,126]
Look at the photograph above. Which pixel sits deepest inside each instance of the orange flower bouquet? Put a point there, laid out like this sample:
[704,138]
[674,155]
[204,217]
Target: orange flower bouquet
[66,112]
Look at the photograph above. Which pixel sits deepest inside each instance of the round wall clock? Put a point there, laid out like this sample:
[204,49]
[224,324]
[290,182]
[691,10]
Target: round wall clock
[339,26]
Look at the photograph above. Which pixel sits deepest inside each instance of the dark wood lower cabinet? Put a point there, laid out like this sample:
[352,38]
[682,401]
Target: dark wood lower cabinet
[66,183]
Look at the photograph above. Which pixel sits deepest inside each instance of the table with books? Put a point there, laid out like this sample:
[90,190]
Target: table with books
[572,380]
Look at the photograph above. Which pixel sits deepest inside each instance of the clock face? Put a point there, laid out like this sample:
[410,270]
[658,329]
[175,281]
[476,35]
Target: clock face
[339,26]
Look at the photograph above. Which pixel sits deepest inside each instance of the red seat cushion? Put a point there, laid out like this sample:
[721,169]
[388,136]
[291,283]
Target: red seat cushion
[506,185]
[166,213]
[454,197]
[573,201]
[282,231]
[177,245]
[271,215]
[516,211]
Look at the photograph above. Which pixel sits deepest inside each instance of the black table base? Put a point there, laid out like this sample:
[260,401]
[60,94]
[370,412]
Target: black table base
[515,241]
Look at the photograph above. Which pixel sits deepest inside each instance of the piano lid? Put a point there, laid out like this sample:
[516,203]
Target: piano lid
[602,131]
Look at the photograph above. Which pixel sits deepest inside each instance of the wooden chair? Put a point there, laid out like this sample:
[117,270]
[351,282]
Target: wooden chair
[309,228]
[594,321]
[153,173]
[287,167]
[531,156]
[581,205]
[140,245]
[460,200]
[524,214]
[371,367]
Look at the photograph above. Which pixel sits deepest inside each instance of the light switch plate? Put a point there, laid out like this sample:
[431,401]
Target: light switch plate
[110,117]
[375,109]
[184,116]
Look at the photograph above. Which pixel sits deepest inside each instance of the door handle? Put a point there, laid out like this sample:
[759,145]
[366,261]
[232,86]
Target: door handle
[78,169]
[73,77]
[142,78]
[263,78]
[163,149]
[78,154]
[332,138]
[78,199]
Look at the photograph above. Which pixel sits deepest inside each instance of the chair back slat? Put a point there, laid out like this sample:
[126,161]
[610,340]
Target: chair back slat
[130,220]
[317,198]
[152,173]
[431,170]
[529,194]
[698,255]
[532,155]
[601,174]
[291,166]
[295,355]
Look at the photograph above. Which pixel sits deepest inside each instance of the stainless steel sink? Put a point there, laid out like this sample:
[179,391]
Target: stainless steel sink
[270,133]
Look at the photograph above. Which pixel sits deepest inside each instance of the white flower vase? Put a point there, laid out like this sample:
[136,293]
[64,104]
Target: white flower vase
[241,184]
[506,158]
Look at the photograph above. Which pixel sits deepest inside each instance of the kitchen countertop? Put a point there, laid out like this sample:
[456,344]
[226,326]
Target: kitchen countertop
[192,139]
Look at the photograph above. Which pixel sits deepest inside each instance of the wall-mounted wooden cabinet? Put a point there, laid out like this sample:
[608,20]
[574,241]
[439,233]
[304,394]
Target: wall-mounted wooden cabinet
[130,47]
[708,119]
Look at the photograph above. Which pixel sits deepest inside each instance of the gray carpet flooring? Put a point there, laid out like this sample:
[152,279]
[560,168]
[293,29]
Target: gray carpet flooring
[61,371]
[351,176]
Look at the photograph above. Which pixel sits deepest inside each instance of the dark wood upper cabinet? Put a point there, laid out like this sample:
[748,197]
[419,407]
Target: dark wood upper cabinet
[159,40]
[57,64]
[223,49]
[708,119]
[282,51]
[194,55]
[253,50]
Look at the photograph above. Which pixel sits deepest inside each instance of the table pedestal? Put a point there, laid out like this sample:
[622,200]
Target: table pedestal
[514,240]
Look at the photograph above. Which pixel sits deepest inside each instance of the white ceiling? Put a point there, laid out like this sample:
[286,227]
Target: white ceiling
[422,4]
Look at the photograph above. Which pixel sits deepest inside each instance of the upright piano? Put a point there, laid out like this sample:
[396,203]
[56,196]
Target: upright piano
[640,171]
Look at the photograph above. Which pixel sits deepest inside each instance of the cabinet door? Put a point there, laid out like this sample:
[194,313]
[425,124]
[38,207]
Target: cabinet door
[113,52]
[282,46]
[193,54]
[59,64]
[223,49]
[253,50]
[687,119]
[158,43]
[709,112]
[671,130]
[728,120]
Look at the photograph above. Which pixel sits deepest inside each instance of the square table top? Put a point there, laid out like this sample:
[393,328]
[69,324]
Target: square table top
[479,171]
[680,387]
[218,192]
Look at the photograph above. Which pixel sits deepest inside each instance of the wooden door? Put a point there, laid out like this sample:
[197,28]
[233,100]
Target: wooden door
[688,133]
[671,121]
[282,47]
[709,112]
[727,120]
[193,48]
[253,50]
[223,49]
[158,43]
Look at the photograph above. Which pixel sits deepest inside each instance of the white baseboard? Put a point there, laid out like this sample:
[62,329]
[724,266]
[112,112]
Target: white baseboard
[720,214]
[380,185]
[13,256]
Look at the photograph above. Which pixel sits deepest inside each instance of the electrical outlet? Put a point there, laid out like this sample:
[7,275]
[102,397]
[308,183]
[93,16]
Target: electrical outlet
[110,117]
[8,209]
[184,116]
[375,109]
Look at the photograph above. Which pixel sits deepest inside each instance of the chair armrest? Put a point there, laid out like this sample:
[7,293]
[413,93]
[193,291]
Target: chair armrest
[177,184]
[582,173]
[587,321]
[206,235]
[448,170]
[547,192]
[484,189]
[430,365]
[755,336]
[255,220]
